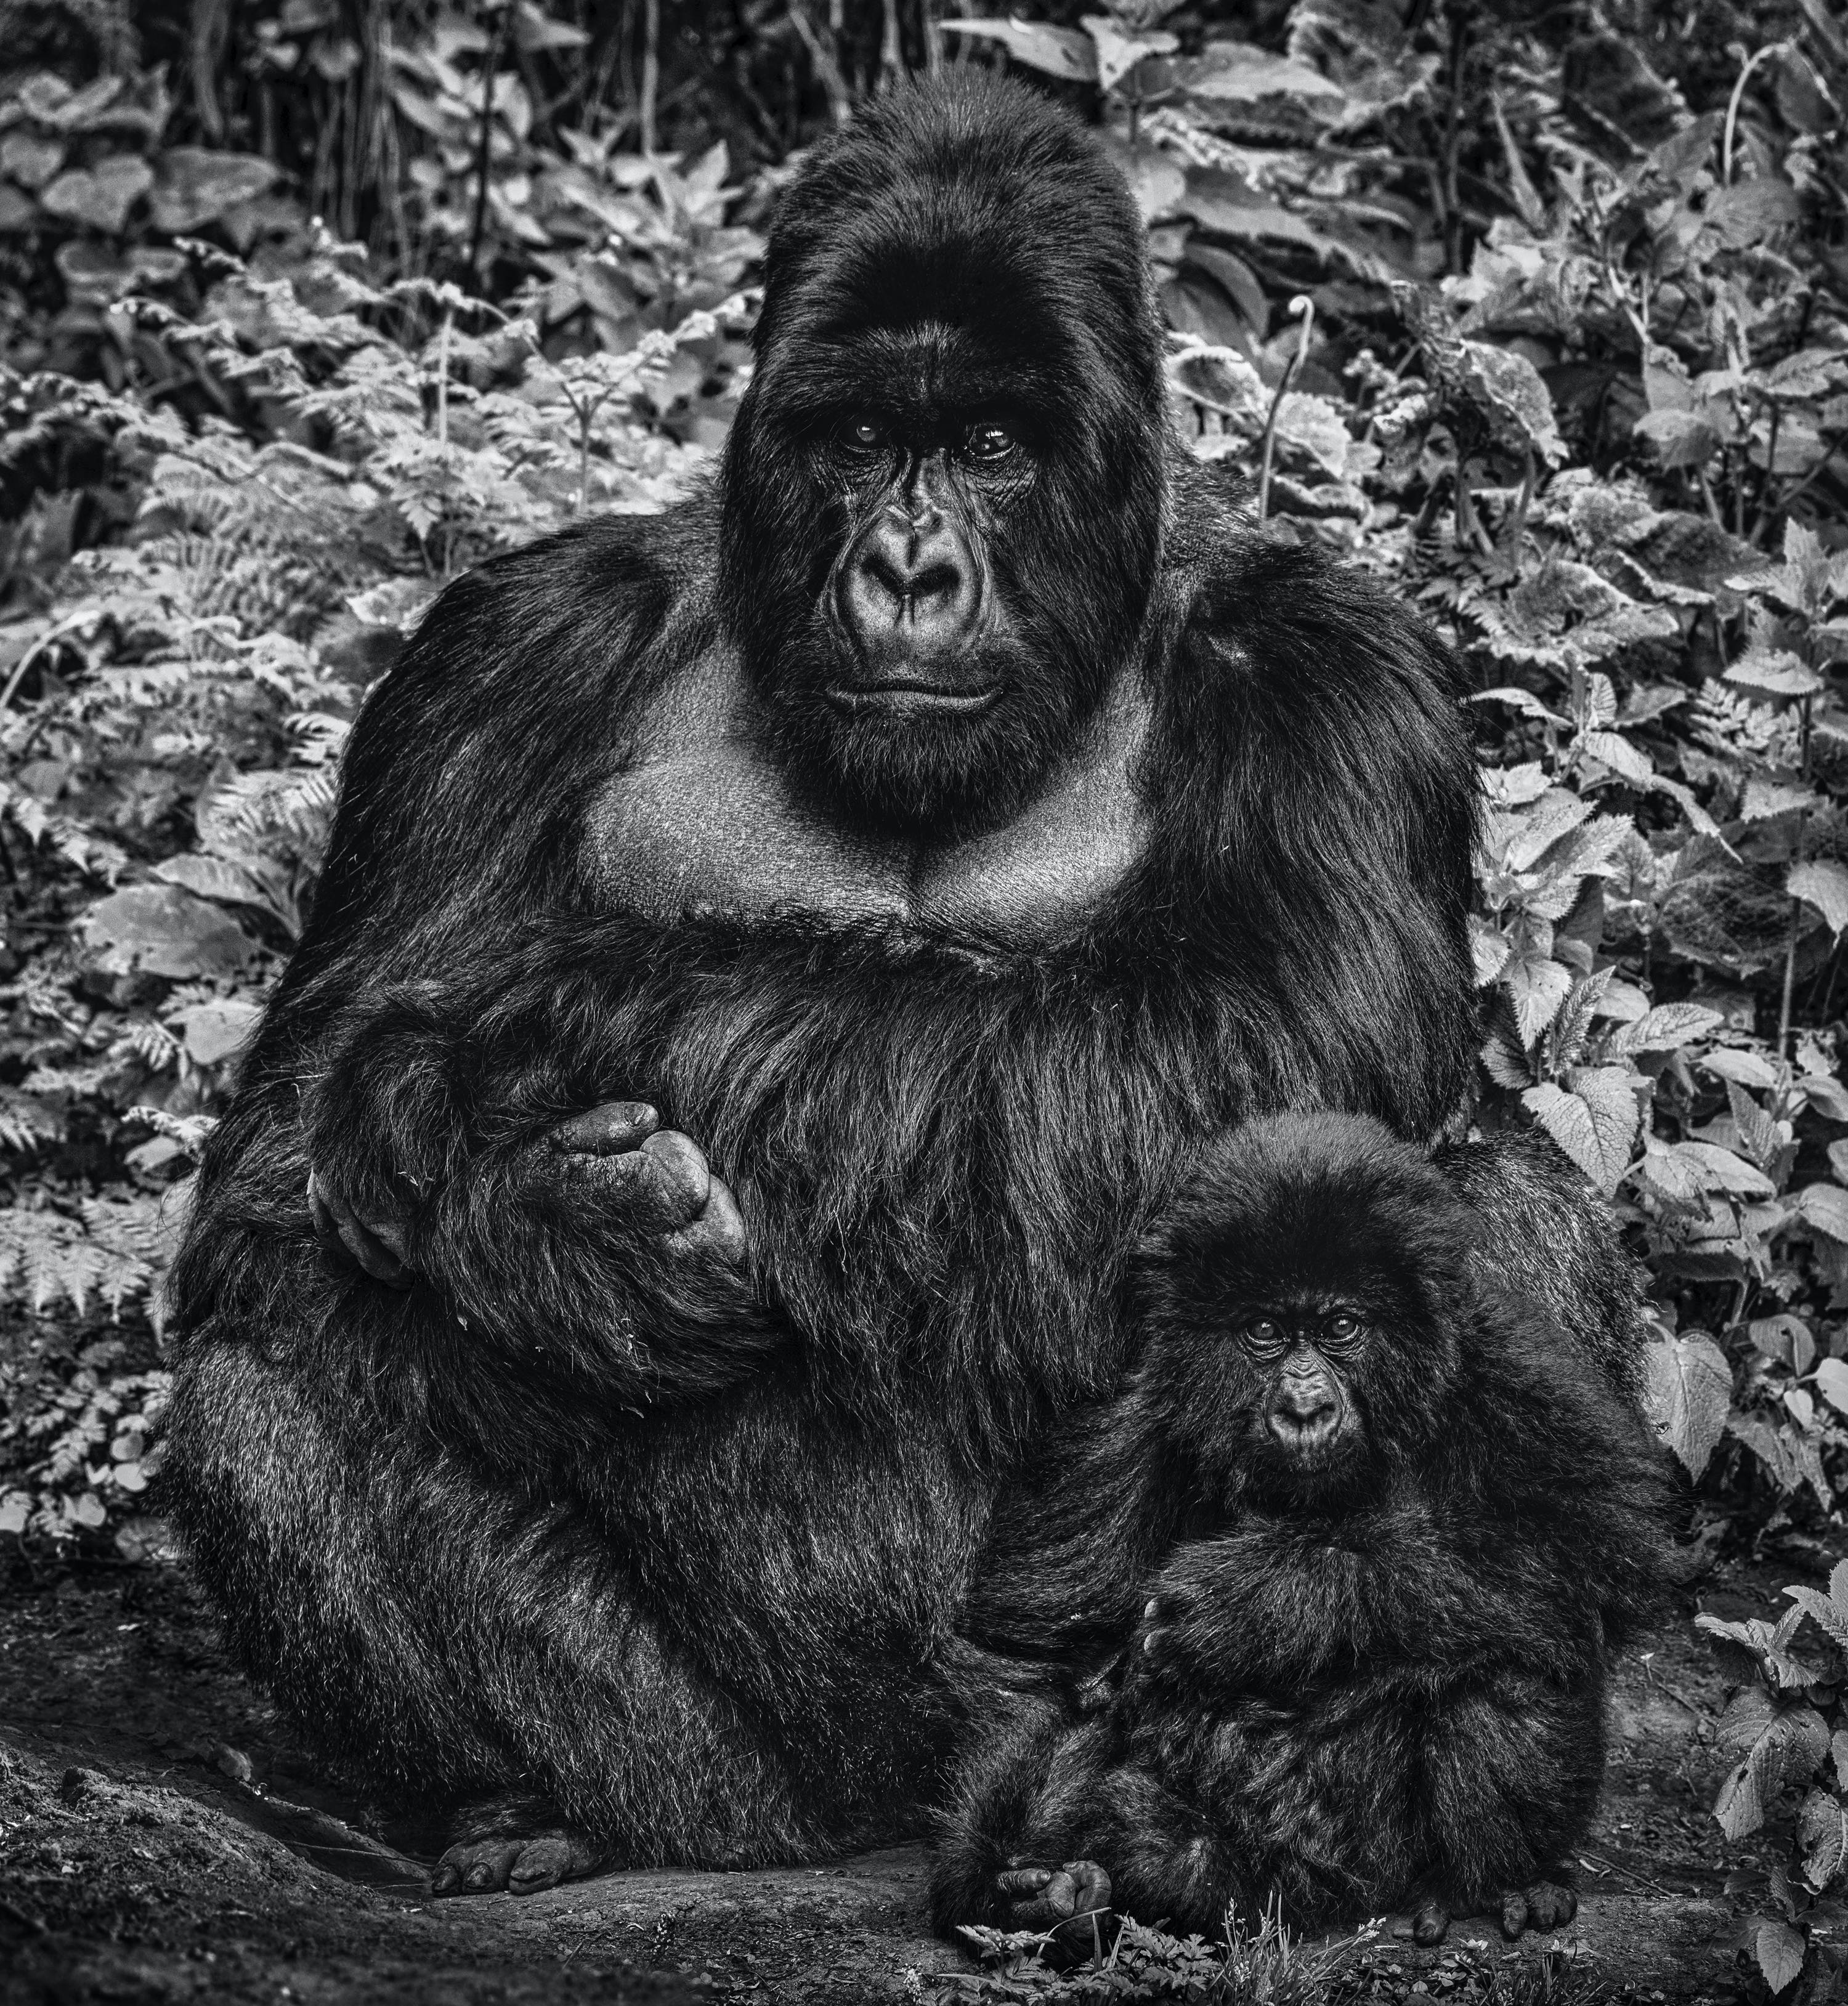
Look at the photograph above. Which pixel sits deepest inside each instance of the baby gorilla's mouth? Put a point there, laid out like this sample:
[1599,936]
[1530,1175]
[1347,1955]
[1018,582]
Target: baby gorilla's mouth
[904,697]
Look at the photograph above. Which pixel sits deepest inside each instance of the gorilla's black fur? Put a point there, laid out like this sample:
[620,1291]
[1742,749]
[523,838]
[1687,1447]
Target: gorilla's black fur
[1320,1606]
[669,1543]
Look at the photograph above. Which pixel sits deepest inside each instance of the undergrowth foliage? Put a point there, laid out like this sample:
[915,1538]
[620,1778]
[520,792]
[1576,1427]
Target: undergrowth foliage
[1544,323]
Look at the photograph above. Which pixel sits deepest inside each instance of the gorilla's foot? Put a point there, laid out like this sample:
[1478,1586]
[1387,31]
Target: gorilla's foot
[1547,1904]
[520,1844]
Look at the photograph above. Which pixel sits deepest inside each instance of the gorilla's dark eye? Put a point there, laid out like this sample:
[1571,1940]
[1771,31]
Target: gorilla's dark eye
[867,433]
[1344,1329]
[1263,1335]
[989,443]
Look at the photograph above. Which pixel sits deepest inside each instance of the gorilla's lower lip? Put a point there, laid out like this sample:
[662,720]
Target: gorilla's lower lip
[902,698]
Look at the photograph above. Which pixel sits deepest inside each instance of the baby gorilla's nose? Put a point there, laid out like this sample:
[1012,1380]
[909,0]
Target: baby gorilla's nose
[1305,1412]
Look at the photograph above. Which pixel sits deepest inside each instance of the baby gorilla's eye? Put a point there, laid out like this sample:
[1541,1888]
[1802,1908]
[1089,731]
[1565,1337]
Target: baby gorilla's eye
[1262,1335]
[989,443]
[867,433]
[1344,1329]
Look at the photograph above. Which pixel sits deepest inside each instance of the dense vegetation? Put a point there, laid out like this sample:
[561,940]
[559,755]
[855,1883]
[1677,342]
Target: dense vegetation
[307,306]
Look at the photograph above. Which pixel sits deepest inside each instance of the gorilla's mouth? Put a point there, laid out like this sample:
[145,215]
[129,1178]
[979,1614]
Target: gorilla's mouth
[906,697]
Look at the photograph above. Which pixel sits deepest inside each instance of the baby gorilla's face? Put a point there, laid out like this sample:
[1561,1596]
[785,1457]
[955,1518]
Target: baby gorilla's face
[1298,1358]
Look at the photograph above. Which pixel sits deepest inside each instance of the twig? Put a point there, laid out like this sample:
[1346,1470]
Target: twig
[1303,305]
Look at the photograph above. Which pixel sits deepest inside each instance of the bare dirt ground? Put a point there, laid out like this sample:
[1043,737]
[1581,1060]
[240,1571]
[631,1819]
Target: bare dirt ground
[162,1838]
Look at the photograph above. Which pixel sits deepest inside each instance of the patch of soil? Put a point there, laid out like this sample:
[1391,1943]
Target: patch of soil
[163,1838]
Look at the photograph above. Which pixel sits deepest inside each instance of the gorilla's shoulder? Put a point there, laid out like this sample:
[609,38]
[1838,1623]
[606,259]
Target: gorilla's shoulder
[579,611]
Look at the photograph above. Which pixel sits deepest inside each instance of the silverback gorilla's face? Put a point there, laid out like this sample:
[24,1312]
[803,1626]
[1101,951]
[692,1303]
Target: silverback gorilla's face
[943,496]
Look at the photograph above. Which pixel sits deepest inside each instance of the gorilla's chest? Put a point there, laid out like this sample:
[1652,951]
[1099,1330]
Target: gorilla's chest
[701,821]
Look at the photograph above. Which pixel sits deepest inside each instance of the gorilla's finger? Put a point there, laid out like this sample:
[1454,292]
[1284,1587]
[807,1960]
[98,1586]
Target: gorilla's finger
[365,1245]
[1151,1643]
[606,1131]
[662,1186]
[1023,1880]
[679,1176]
[718,1231]
[1431,1924]
[1091,1885]
[1054,1904]
[1151,1609]
[1514,1914]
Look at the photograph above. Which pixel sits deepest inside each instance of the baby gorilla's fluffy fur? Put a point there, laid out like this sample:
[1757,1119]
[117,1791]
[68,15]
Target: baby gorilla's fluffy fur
[1322,1602]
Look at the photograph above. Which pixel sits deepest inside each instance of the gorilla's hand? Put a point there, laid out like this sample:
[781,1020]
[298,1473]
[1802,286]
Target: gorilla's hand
[1071,1902]
[656,1176]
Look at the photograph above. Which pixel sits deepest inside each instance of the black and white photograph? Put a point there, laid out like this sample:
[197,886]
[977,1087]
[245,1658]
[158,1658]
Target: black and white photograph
[920,1014]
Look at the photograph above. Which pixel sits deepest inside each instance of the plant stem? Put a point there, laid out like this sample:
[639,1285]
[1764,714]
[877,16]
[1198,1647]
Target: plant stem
[482,162]
[651,71]
[1732,109]
[442,377]
[1303,305]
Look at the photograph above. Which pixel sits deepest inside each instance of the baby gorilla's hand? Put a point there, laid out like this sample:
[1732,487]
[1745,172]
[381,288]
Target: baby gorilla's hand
[1071,1902]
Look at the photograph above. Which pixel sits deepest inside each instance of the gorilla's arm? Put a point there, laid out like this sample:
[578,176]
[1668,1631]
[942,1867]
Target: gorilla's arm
[401,1056]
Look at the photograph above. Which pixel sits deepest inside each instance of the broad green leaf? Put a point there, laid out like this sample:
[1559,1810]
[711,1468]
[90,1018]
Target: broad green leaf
[1766,798]
[1832,1383]
[1828,1095]
[1595,1120]
[1690,1390]
[1118,53]
[1667,1028]
[1538,986]
[1828,1616]
[165,930]
[1778,672]
[1825,1207]
[1745,1069]
[1629,763]
[1063,52]
[1779,1950]
[1825,885]
[1822,1834]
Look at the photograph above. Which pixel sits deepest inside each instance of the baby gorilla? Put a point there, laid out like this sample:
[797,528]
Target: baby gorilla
[1322,1602]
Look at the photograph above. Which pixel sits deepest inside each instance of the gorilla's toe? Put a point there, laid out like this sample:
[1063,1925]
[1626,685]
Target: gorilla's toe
[524,1863]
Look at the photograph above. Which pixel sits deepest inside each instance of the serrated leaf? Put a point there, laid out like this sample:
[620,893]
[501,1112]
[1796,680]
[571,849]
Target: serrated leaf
[1690,1391]
[1779,1950]
[1524,700]
[1538,986]
[1765,799]
[1666,1028]
[1595,1121]
[1823,885]
[1776,671]
[1721,1169]
[1489,950]
[1828,1616]
[1628,761]
[1556,814]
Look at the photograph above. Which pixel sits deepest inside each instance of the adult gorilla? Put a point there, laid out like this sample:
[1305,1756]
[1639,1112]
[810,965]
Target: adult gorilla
[993,817]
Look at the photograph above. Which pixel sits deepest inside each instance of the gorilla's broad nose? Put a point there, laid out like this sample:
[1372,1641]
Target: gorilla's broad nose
[1305,1413]
[909,592]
